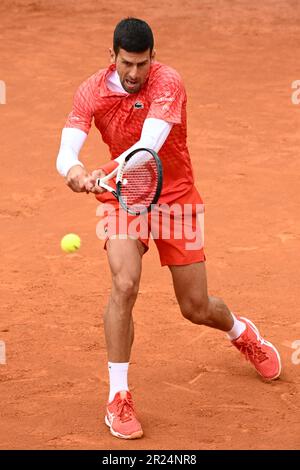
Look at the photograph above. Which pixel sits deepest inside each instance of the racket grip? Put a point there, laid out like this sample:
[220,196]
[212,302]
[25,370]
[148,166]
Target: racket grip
[98,181]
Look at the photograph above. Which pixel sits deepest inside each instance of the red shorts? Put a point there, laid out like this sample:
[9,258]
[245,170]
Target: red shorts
[177,228]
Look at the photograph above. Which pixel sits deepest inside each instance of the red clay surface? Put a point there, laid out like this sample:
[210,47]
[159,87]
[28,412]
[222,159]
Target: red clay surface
[192,389]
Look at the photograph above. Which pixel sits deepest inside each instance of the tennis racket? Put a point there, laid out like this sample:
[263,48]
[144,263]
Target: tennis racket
[139,178]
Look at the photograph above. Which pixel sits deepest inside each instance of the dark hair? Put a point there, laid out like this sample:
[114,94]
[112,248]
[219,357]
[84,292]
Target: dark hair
[133,35]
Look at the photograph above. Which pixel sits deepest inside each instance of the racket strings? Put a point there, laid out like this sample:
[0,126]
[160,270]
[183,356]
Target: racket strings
[139,182]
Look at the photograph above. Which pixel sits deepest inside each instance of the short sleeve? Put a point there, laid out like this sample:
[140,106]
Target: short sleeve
[83,109]
[167,96]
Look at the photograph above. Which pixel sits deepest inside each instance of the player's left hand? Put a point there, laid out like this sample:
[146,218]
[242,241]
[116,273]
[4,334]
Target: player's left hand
[91,184]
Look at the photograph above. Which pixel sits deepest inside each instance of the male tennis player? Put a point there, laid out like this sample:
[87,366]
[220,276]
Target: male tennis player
[138,102]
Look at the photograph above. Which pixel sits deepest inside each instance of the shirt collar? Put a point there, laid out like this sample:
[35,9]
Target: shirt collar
[104,90]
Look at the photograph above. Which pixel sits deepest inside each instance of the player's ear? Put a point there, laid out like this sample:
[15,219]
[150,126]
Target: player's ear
[112,56]
[153,54]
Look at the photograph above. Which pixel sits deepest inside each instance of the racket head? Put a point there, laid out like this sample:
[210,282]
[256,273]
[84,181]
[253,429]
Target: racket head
[139,181]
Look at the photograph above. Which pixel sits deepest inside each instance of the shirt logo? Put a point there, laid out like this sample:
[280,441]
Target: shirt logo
[138,105]
[163,99]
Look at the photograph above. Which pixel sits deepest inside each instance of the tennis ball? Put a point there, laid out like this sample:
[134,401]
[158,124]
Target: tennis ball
[70,243]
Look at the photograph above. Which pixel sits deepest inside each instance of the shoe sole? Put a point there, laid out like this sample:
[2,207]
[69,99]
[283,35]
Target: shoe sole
[259,337]
[134,435]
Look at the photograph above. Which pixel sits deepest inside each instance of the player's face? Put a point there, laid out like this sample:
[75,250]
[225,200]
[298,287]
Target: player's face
[133,68]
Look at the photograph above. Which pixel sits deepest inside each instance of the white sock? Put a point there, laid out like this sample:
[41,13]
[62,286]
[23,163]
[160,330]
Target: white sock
[237,329]
[118,372]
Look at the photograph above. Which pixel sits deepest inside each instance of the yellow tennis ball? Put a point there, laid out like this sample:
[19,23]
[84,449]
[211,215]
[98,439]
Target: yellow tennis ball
[70,243]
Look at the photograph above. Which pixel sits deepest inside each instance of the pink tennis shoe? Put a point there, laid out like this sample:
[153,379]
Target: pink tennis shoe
[121,418]
[261,353]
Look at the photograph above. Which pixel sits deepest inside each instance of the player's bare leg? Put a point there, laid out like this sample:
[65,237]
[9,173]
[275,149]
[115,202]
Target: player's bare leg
[125,261]
[190,284]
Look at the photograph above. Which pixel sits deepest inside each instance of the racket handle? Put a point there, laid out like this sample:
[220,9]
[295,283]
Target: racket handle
[102,183]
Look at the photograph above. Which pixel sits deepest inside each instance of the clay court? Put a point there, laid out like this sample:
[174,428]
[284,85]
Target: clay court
[192,389]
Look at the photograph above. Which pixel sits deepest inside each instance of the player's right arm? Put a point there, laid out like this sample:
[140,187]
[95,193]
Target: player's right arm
[68,163]
[73,137]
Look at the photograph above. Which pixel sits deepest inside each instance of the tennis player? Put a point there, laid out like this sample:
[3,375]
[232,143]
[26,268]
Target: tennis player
[138,102]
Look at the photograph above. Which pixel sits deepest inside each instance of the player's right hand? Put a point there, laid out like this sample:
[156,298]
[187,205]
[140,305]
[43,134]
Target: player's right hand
[91,184]
[77,178]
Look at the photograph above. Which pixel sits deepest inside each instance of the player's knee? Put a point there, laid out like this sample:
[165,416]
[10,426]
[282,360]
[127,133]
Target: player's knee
[125,288]
[195,310]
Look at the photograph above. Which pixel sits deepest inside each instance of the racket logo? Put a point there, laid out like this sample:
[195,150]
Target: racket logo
[138,105]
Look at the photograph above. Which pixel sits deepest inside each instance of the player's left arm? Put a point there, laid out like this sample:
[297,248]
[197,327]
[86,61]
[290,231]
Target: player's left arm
[154,134]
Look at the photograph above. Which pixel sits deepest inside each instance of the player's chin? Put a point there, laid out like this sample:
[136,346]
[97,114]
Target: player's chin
[131,88]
